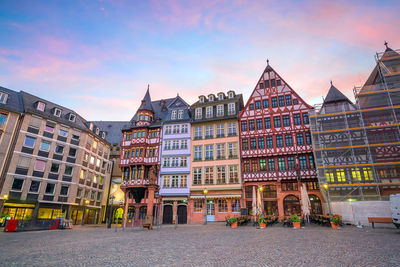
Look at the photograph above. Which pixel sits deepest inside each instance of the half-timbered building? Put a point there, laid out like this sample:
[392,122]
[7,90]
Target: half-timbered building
[139,159]
[276,147]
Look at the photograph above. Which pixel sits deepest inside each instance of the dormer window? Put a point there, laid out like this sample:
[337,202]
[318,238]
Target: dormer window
[180,114]
[201,99]
[103,135]
[72,117]
[40,106]
[173,115]
[211,98]
[3,97]
[230,95]
[57,112]
[221,97]
[97,130]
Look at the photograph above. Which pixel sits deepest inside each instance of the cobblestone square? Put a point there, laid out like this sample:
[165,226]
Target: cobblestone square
[198,245]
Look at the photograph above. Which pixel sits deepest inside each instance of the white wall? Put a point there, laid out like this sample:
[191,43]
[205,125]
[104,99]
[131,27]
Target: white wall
[359,211]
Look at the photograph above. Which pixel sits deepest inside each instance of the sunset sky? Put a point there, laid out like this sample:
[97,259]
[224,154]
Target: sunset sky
[97,57]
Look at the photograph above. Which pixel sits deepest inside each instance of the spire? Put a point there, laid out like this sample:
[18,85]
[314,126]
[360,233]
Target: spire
[388,52]
[146,102]
[268,67]
[334,95]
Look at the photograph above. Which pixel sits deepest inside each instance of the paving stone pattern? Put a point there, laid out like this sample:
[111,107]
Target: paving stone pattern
[198,245]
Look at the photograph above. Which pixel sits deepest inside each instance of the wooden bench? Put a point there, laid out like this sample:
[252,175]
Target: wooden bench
[379,220]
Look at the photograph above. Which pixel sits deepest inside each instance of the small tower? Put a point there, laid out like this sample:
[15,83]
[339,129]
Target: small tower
[145,112]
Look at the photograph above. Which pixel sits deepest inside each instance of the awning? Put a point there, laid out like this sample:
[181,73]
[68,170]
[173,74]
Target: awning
[174,198]
[19,205]
[215,196]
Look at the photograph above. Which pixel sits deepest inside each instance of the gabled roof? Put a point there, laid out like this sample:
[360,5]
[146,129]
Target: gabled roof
[175,100]
[374,77]
[334,95]
[262,88]
[388,53]
[178,103]
[14,101]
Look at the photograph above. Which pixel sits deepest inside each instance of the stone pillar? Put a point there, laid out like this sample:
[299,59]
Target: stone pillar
[175,212]
[69,210]
[150,204]
[229,207]
[35,211]
[125,216]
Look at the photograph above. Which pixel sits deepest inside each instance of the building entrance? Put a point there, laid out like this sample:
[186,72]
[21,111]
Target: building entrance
[182,214]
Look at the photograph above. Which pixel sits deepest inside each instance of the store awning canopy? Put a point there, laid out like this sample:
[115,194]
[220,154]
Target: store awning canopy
[215,196]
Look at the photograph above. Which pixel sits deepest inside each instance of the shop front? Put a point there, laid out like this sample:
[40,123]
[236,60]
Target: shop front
[18,211]
[218,207]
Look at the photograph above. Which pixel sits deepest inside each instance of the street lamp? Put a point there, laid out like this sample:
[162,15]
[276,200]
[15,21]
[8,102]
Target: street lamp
[3,202]
[205,191]
[112,197]
[325,186]
[85,203]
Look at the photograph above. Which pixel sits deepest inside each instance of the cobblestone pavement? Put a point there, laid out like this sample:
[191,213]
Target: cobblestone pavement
[197,245]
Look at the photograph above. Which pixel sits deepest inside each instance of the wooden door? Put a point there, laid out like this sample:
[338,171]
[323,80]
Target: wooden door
[167,214]
[182,214]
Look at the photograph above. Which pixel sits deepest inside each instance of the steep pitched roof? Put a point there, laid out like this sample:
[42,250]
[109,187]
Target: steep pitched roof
[334,95]
[271,83]
[387,58]
[146,102]
[112,130]
[14,101]
[160,112]
[176,99]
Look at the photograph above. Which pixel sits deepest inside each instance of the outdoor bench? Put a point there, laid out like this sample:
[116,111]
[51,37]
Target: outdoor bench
[379,220]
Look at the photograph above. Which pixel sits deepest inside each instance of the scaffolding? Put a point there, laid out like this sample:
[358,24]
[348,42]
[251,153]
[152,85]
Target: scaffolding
[357,145]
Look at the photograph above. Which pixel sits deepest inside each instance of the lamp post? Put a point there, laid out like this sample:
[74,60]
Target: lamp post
[205,191]
[112,197]
[85,203]
[325,186]
[3,202]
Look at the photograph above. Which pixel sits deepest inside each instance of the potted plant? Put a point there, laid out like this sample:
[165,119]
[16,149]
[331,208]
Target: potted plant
[336,221]
[233,222]
[295,220]
[262,223]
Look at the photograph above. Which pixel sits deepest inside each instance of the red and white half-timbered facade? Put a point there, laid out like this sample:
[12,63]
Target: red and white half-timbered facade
[140,160]
[276,148]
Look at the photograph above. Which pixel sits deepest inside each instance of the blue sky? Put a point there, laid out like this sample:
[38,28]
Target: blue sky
[97,57]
